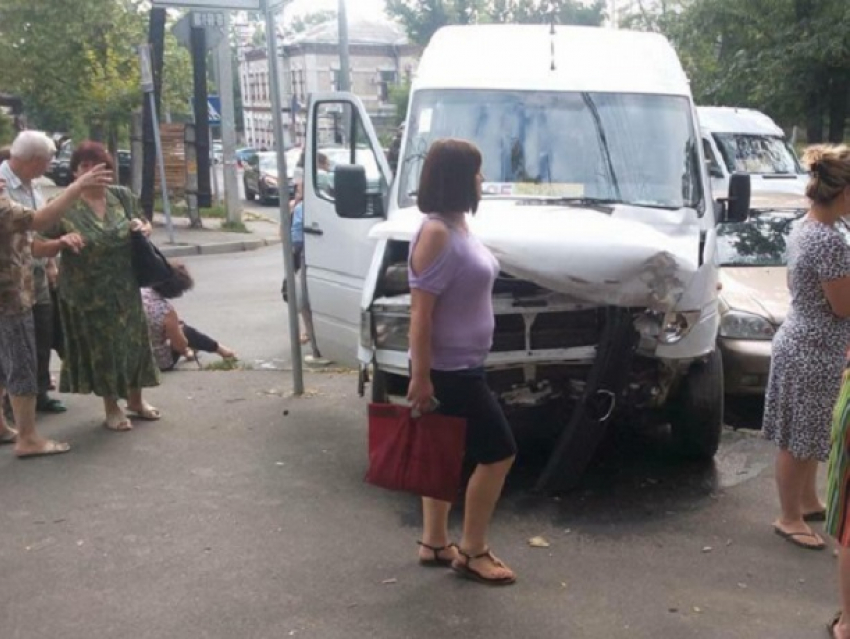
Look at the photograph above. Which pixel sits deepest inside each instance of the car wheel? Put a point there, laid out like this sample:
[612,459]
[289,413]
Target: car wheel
[249,194]
[379,386]
[696,413]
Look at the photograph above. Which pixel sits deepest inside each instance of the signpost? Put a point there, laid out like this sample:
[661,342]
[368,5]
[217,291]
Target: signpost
[214,119]
[269,8]
[148,88]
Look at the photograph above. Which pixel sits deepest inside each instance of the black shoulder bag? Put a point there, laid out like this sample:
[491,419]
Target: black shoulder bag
[149,264]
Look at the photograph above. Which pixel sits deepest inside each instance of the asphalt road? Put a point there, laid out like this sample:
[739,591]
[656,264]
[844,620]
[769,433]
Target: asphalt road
[243,514]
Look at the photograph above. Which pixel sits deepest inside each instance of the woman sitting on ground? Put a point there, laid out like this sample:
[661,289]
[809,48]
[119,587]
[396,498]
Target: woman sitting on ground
[172,339]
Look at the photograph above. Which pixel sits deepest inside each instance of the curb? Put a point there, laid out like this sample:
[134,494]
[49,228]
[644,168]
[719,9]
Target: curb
[216,248]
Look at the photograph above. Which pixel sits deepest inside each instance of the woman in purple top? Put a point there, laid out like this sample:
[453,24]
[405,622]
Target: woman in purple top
[451,332]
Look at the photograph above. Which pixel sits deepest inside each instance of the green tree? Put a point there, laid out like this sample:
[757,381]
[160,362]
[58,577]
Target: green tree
[421,18]
[789,58]
[75,65]
[299,24]
[400,98]
[7,129]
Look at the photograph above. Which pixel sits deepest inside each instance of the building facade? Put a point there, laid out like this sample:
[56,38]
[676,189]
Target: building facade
[380,57]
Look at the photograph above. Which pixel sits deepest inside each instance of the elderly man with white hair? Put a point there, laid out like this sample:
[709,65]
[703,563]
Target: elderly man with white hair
[18,368]
[29,159]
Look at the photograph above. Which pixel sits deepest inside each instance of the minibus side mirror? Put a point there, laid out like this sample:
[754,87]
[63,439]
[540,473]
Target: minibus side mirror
[738,203]
[350,191]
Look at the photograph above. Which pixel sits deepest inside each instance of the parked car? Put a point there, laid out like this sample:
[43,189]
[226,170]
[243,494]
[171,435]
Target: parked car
[260,177]
[754,299]
[243,155]
[747,141]
[124,159]
[363,156]
[217,152]
[60,166]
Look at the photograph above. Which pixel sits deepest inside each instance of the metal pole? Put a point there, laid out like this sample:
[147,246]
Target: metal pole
[213,168]
[198,38]
[283,188]
[228,126]
[156,38]
[214,171]
[166,206]
[344,64]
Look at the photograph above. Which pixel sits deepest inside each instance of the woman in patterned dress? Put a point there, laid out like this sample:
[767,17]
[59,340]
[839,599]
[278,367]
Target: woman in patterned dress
[809,349]
[108,351]
[831,166]
[171,338]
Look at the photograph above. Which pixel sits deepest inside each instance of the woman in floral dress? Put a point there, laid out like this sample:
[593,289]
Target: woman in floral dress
[108,350]
[809,351]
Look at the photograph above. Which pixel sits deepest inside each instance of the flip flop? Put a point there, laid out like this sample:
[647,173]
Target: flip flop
[830,627]
[147,414]
[436,561]
[9,438]
[794,538]
[52,448]
[818,515]
[462,568]
[121,426]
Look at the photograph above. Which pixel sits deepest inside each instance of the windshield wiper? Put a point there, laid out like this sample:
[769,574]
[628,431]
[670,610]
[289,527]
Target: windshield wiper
[603,140]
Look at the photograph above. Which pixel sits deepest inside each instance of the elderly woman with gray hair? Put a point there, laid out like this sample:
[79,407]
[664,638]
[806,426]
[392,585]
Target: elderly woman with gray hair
[29,159]
[18,367]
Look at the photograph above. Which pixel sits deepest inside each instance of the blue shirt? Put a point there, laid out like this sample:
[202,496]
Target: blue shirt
[297,231]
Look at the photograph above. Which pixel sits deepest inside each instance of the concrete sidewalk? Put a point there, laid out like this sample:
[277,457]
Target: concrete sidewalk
[212,239]
[243,514]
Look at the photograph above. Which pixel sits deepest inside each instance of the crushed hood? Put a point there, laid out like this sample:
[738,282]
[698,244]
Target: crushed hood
[617,256]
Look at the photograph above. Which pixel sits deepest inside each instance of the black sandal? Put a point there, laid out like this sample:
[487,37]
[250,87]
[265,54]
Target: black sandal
[463,569]
[436,561]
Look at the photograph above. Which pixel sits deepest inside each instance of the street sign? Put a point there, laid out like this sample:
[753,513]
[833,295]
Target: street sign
[234,5]
[146,68]
[214,110]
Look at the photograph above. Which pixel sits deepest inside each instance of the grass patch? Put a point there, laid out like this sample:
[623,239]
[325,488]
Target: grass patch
[217,212]
[228,365]
[235,227]
[179,208]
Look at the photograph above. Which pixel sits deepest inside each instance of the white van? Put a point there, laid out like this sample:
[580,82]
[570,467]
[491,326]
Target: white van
[747,141]
[596,203]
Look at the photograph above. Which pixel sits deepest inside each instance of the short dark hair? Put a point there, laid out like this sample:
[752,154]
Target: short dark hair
[90,151]
[179,282]
[449,180]
[5,153]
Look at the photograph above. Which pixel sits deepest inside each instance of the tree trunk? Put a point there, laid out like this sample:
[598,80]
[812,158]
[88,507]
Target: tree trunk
[96,131]
[838,104]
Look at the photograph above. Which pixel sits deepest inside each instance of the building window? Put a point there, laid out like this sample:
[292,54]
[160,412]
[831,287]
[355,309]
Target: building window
[386,79]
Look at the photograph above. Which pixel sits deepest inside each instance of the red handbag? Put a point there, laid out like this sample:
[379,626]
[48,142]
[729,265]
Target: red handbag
[422,455]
